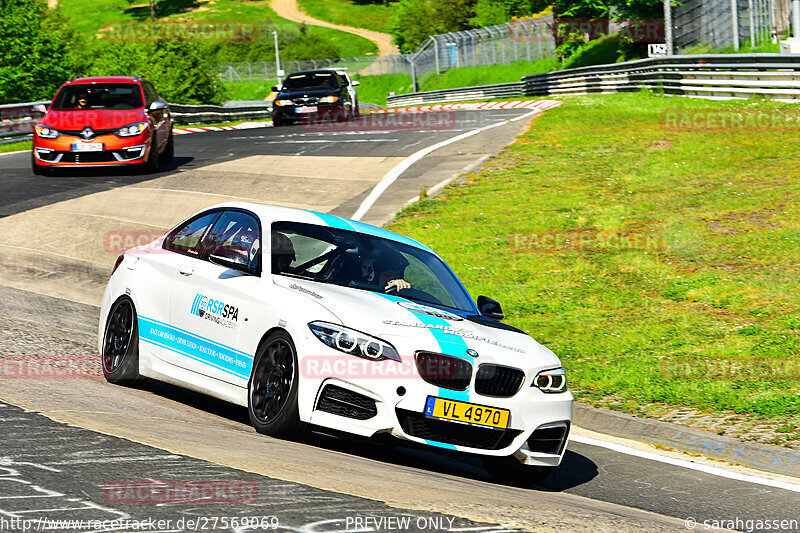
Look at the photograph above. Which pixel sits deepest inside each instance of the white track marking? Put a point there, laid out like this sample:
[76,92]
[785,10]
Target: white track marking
[404,165]
[17,152]
[713,470]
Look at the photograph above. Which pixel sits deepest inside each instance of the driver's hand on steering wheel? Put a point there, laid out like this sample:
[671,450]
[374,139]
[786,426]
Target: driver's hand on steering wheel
[398,284]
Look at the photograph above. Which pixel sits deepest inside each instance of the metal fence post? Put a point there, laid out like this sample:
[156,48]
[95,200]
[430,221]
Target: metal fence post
[752,24]
[668,26]
[735,23]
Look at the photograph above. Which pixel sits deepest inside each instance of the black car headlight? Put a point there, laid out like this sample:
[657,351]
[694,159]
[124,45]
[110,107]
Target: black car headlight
[353,342]
[132,130]
[551,381]
[282,103]
[46,132]
[328,99]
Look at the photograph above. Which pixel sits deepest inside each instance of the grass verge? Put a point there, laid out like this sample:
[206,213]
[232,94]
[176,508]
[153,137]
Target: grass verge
[350,13]
[15,147]
[659,263]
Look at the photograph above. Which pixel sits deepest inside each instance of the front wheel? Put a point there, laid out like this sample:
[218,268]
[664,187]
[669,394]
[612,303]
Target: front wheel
[120,356]
[169,151]
[272,391]
[36,168]
[509,471]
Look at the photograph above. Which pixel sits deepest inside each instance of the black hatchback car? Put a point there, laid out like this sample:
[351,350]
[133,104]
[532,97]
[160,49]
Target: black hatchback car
[314,95]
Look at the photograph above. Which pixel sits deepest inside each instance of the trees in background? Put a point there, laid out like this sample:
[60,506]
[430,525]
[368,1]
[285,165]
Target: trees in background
[37,52]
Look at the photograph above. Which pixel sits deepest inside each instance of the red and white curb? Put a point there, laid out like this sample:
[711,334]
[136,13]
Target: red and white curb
[202,129]
[475,106]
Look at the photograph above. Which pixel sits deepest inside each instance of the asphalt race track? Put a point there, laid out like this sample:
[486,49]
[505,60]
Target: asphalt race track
[65,443]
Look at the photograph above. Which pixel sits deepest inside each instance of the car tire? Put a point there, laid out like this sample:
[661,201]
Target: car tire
[272,390]
[169,151]
[509,471]
[36,168]
[276,122]
[120,357]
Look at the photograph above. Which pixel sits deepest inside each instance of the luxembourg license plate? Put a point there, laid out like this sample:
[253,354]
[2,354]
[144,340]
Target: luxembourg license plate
[306,109]
[87,147]
[469,413]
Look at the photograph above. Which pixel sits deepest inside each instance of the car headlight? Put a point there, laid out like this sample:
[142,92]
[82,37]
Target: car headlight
[281,103]
[551,381]
[353,342]
[131,130]
[328,99]
[46,132]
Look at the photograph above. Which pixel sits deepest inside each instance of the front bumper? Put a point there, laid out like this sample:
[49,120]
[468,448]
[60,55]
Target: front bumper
[117,151]
[392,401]
[324,112]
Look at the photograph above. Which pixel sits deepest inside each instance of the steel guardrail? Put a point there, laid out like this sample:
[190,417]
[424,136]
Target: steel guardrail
[707,76]
[479,92]
[17,120]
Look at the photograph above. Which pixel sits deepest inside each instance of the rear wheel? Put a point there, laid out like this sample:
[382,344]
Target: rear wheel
[276,122]
[509,471]
[120,356]
[272,391]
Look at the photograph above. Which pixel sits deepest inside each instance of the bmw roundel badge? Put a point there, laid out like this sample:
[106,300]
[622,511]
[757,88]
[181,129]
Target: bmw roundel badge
[471,352]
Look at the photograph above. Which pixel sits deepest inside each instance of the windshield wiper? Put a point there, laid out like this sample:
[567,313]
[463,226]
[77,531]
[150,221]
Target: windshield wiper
[306,277]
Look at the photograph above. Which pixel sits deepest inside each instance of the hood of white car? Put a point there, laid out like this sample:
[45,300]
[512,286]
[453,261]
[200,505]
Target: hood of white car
[418,326]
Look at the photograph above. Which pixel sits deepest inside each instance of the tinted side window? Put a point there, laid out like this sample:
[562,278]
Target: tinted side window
[149,92]
[236,230]
[186,239]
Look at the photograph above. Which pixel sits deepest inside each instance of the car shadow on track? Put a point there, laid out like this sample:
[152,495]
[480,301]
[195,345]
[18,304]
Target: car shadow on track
[103,172]
[575,468]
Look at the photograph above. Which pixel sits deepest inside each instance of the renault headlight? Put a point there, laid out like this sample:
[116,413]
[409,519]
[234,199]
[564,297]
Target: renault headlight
[46,132]
[551,381]
[353,342]
[328,99]
[131,130]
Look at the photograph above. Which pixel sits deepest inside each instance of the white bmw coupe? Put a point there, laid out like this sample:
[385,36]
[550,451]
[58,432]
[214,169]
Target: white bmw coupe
[312,320]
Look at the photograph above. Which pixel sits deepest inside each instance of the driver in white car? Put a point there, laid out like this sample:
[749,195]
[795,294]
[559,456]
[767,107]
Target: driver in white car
[388,271]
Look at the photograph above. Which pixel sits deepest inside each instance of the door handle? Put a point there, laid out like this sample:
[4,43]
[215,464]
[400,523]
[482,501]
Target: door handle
[185,270]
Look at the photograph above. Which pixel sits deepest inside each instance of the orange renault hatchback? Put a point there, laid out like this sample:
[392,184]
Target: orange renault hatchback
[118,121]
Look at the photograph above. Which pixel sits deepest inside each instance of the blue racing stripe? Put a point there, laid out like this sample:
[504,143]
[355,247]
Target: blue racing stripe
[368,229]
[334,221]
[452,345]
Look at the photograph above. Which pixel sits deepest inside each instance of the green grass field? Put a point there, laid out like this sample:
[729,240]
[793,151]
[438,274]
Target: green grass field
[108,13]
[660,263]
[373,16]
[16,146]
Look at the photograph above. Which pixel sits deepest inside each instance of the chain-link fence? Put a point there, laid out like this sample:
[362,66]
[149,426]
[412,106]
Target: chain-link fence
[524,40]
[724,23]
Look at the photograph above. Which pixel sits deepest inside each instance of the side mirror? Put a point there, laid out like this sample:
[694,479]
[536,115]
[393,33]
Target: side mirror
[233,256]
[39,108]
[158,105]
[490,308]
[356,83]
[276,88]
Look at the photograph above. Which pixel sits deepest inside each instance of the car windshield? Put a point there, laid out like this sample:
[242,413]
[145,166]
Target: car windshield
[122,96]
[366,262]
[310,81]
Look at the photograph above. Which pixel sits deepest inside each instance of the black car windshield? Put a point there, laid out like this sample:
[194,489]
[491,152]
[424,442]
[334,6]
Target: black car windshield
[310,81]
[362,261]
[121,96]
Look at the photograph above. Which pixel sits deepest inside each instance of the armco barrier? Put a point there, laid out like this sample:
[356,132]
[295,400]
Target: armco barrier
[481,92]
[17,120]
[706,76]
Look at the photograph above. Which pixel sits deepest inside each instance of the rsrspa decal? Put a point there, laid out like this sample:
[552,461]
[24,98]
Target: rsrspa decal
[450,330]
[302,289]
[215,311]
